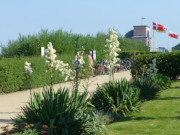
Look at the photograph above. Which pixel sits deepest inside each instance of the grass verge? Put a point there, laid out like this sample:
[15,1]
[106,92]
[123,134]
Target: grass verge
[156,117]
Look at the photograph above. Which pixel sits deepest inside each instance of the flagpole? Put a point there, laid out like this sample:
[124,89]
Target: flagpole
[170,44]
[154,42]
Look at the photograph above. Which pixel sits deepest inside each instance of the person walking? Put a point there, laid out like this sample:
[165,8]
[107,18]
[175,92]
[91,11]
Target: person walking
[91,63]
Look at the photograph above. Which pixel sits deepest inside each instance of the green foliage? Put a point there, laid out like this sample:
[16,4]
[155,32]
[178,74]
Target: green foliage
[118,97]
[151,85]
[105,117]
[168,64]
[56,112]
[129,55]
[164,82]
[13,77]
[64,43]
[156,117]
[152,70]
[27,132]
[132,45]
[177,47]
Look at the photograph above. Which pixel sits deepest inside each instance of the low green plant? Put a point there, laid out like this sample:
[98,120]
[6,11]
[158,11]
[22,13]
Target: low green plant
[164,82]
[148,85]
[152,70]
[105,117]
[118,97]
[27,132]
[56,112]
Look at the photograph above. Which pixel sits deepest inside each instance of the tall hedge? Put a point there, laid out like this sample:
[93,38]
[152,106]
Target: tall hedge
[13,77]
[65,43]
[167,63]
[129,55]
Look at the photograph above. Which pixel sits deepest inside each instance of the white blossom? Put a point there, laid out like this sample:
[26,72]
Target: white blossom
[63,68]
[79,60]
[112,45]
[50,55]
[28,68]
[59,65]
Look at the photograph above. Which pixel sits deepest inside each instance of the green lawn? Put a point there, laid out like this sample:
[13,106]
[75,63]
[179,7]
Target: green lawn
[156,117]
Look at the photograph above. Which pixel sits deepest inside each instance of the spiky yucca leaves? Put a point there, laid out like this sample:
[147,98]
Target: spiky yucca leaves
[55,111]
[164,82]
[149,86]
[119,97]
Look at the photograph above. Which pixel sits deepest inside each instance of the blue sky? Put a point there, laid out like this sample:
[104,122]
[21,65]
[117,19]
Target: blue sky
[86,16]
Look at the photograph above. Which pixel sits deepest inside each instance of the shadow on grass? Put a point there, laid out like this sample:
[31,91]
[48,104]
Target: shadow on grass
[168,98]
[175,88]
[129,118]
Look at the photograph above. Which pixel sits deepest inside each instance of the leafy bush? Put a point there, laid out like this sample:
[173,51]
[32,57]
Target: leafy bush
[119,97]
[64,43]
[152,70]
[57,113]
[27,132]
[105,117]
[148,85]
[168,64]
[164,82]
[13,77]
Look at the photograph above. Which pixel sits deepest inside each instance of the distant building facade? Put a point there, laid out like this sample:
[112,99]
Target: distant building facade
[161,49]
[140,33]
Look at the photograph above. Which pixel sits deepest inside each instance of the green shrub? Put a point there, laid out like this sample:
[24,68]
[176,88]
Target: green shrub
[168,64]
[27,132]
[13,77]
[64,43]
[164,82]
[59,113]
[105,117]
[129,55]
[148,85]
[118,97]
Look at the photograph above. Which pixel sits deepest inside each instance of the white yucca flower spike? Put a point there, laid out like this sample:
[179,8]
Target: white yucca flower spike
[112,45]
[63,68]
[50,55]
[28,68]
[79,60]
[51,62]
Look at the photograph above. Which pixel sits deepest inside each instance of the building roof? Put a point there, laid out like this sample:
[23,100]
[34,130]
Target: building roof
[141,26]
[129,34]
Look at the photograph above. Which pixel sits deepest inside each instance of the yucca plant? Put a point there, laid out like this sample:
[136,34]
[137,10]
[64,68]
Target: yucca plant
[117,97]
[55,111]
[148,85]
[164,82]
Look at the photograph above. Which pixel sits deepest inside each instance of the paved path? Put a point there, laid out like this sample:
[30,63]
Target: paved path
[10,103]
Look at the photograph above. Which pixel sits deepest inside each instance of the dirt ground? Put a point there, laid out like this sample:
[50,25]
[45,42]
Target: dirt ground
[10,103]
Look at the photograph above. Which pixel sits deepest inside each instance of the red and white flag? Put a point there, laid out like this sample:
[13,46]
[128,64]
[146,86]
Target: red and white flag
[173,35]
[154,26]
[159,27]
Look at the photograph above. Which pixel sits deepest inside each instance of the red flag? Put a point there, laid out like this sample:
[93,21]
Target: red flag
[173,35]
[159,27]
[154,26]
